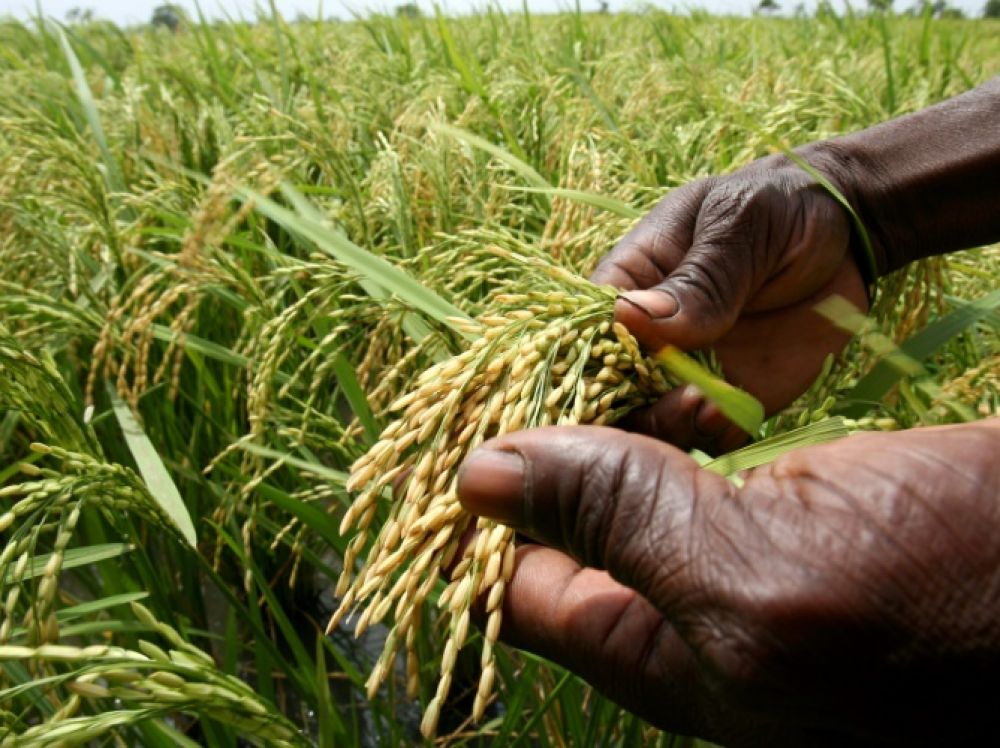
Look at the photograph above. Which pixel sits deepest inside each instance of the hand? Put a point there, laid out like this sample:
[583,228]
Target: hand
[847,594]
[736,263]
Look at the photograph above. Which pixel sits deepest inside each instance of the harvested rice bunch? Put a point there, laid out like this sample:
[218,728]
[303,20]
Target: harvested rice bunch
[544,358]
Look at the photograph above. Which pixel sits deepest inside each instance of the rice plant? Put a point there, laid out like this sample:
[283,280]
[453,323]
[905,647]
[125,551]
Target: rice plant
[267,282]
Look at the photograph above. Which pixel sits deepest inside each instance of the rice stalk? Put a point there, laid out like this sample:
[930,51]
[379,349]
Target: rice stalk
[132,685]
[541,358]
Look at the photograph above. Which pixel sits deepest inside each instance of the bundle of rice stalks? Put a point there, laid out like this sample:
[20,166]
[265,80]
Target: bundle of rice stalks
[131,686]
[548,357]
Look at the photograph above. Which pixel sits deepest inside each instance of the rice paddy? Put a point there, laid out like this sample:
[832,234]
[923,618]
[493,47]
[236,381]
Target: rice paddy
[265,285]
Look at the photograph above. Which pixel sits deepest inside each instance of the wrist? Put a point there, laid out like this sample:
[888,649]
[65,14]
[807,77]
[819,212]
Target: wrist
[923,184]
[862,183]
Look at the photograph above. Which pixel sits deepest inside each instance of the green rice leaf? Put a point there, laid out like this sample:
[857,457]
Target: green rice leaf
[371,266]
[416,327]
[161,486]
[316,519]
[328,720]
[871,388]
[113,173]
[380,278]
[94,606]
[848,317]
[469,70]
[335,476]
[768,450]
[200,345]
[737,405]
[72,558]
[602,202]
[516,165]
[550,699]
[871,266]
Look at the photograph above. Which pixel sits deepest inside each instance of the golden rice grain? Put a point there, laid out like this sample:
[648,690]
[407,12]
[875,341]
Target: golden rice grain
[553,358]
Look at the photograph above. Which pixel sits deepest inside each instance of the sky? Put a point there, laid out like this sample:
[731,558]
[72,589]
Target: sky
[126,12]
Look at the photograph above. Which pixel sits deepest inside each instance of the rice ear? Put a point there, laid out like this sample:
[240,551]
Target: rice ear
[546,358]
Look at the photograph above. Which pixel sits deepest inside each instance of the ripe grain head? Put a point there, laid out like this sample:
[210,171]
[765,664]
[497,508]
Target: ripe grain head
[543,357]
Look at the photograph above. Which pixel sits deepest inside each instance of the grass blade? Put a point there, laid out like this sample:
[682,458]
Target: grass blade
[373,267]
[72,558]
[161,486]
[200,345]
[321,471]
[416,327]
[738,406]
[550,699]
[592,199]
[887,372]
[871,266]
[355,396]
[768,450]
[93,606]
[116,182]
[516,165]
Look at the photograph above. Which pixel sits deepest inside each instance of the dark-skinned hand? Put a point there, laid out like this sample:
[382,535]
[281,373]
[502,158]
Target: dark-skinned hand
[737,263]
[847,594]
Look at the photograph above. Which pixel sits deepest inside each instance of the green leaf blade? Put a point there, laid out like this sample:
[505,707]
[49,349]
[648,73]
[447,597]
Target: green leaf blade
[739,406]
[161,486]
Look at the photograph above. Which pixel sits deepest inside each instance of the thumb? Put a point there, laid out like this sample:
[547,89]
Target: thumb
[701,298]
[620,502]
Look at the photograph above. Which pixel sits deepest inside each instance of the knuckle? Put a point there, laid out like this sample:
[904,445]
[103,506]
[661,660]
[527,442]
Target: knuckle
[626,267]
[746,203]
[599,514]
[616,524]
[731,205]
[708,277]
[743,222]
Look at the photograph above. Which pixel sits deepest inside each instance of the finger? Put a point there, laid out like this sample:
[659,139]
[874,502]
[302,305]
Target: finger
[657,244]
[659,526]
[584,620]
[701,298]
[615,501]
[685,418]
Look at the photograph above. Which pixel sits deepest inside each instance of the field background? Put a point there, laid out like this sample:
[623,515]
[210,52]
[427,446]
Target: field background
[170,349]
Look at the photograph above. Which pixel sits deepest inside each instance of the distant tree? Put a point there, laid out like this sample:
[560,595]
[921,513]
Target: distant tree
[880,6]
[603,10]
[824,9]
[80,15]
[408,10]
[936,9]
[168,17]
[992,9]
[768,6]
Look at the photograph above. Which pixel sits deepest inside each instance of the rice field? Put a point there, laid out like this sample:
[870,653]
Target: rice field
[241,261]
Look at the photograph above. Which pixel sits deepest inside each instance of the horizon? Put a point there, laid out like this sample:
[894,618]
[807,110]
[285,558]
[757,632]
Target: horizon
[126,13]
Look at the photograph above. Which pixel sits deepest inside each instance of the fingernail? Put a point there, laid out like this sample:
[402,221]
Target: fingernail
[656,304]
[491,484]
[709,420]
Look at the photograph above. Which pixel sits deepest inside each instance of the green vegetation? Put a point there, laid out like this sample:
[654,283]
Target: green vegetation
[226,250]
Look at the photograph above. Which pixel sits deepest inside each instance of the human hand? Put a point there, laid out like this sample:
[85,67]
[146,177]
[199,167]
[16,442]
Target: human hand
[848,593]
[736,263]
